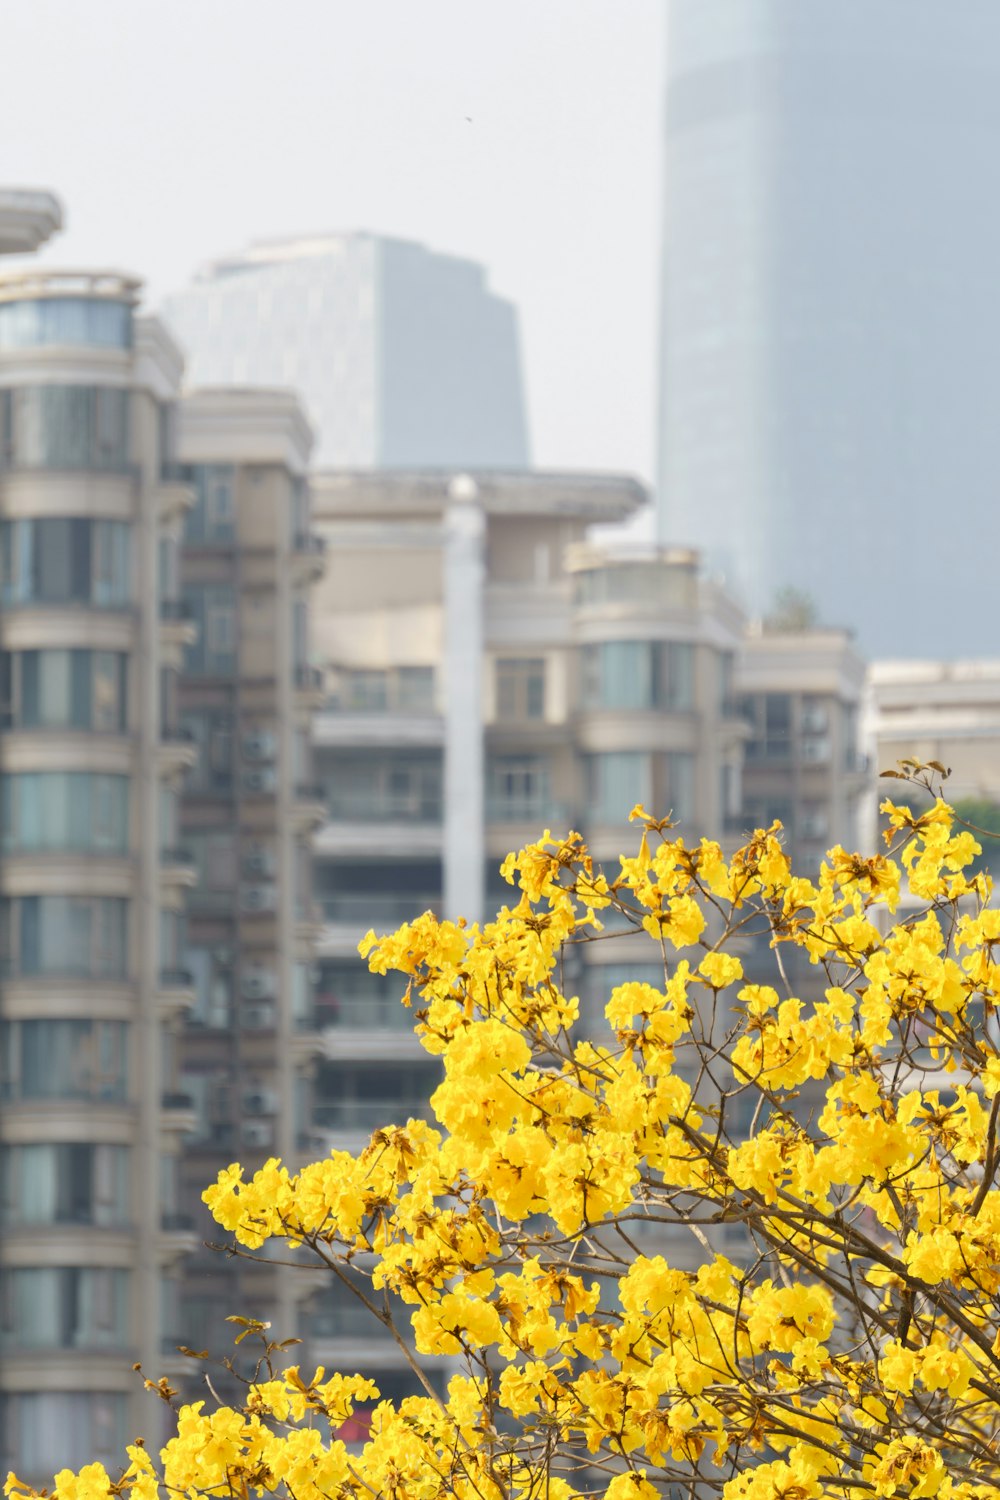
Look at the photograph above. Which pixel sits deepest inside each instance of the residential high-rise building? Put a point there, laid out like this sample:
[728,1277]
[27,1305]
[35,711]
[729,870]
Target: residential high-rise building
[91,894]
[244,699]
[830,318]
[403,356]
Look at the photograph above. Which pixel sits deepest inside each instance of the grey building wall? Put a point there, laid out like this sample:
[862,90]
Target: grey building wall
[403,357]
[829,379]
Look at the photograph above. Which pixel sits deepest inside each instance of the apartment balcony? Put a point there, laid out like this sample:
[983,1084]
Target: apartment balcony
[386,824]
[177,751]
[173,499]
[309,807]
[175,992]
[177,868]
[347,917]
[308,557]
[178,1236]
[364,1026]
[396,723]
[309,685]
[177,629]
[178,1113]
[348,1125]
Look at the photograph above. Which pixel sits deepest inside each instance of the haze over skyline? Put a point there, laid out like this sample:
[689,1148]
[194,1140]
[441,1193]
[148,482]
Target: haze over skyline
[525,137]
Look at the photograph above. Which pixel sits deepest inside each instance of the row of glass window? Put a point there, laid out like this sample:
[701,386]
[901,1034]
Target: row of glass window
[65,560]
[85,937]
[42,1432]
[63,1307]
[63,1059]
[639,675]
[64,689]
[65,427]
[63,812]
[82,322]
[64,1183]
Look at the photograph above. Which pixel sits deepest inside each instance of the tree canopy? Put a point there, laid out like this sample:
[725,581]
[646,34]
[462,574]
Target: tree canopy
[556,1233]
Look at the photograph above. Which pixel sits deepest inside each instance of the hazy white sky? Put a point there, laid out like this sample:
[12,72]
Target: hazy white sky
[523,133]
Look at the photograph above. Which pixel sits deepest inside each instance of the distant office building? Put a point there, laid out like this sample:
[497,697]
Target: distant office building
[403,356]
[91,890]
[830,380]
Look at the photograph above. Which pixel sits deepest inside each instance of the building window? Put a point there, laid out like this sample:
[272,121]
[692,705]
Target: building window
[621,778]
[44,1431]
[64,689]
[79,936]
[213,608]
[212,518]
[517,788]
[63,812]
[639,675]
[408,788]
[520,687]
[63,1060]
[64,1184]
[65,560]
[65,427]
[63,1307]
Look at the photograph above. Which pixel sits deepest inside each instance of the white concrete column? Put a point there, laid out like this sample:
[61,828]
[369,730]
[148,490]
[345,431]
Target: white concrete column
[464,573]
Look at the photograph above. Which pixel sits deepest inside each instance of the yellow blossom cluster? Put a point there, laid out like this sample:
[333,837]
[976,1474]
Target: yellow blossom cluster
[743,1237]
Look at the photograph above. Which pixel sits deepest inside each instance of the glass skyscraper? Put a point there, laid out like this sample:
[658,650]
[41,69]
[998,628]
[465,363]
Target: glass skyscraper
[830,379]
[404,357]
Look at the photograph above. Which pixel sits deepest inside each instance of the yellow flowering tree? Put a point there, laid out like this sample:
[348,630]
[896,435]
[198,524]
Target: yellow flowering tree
[539,1235]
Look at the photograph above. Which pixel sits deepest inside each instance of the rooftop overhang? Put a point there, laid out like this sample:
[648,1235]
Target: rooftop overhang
[28,217]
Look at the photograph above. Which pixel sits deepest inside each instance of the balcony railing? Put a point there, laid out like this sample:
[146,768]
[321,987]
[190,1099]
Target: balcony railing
[308,677]
[533,810]
[174,1222]
[369,1114]
[775,751]
[363,1013]
[384,808]
[373,911]
[308,541]
[176,857]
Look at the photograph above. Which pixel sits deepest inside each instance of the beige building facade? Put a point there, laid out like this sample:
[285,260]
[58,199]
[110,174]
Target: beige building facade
[91,1116]
[244,701]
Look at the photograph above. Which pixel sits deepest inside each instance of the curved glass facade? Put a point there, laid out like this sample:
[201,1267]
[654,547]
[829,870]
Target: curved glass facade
[85,322]
[62,1307]
[64,688]
[65,427]
[83,937]
[64,812]
[64,1183]
[65,560]
[63,1060]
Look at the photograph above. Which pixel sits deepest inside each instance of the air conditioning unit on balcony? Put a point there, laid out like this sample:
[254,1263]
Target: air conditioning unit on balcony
[261,781]
[257,984]
[258,898]
[258,1133]
[259,744]
[259,1017]
[258,863]
[260,1102]
[816,751]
